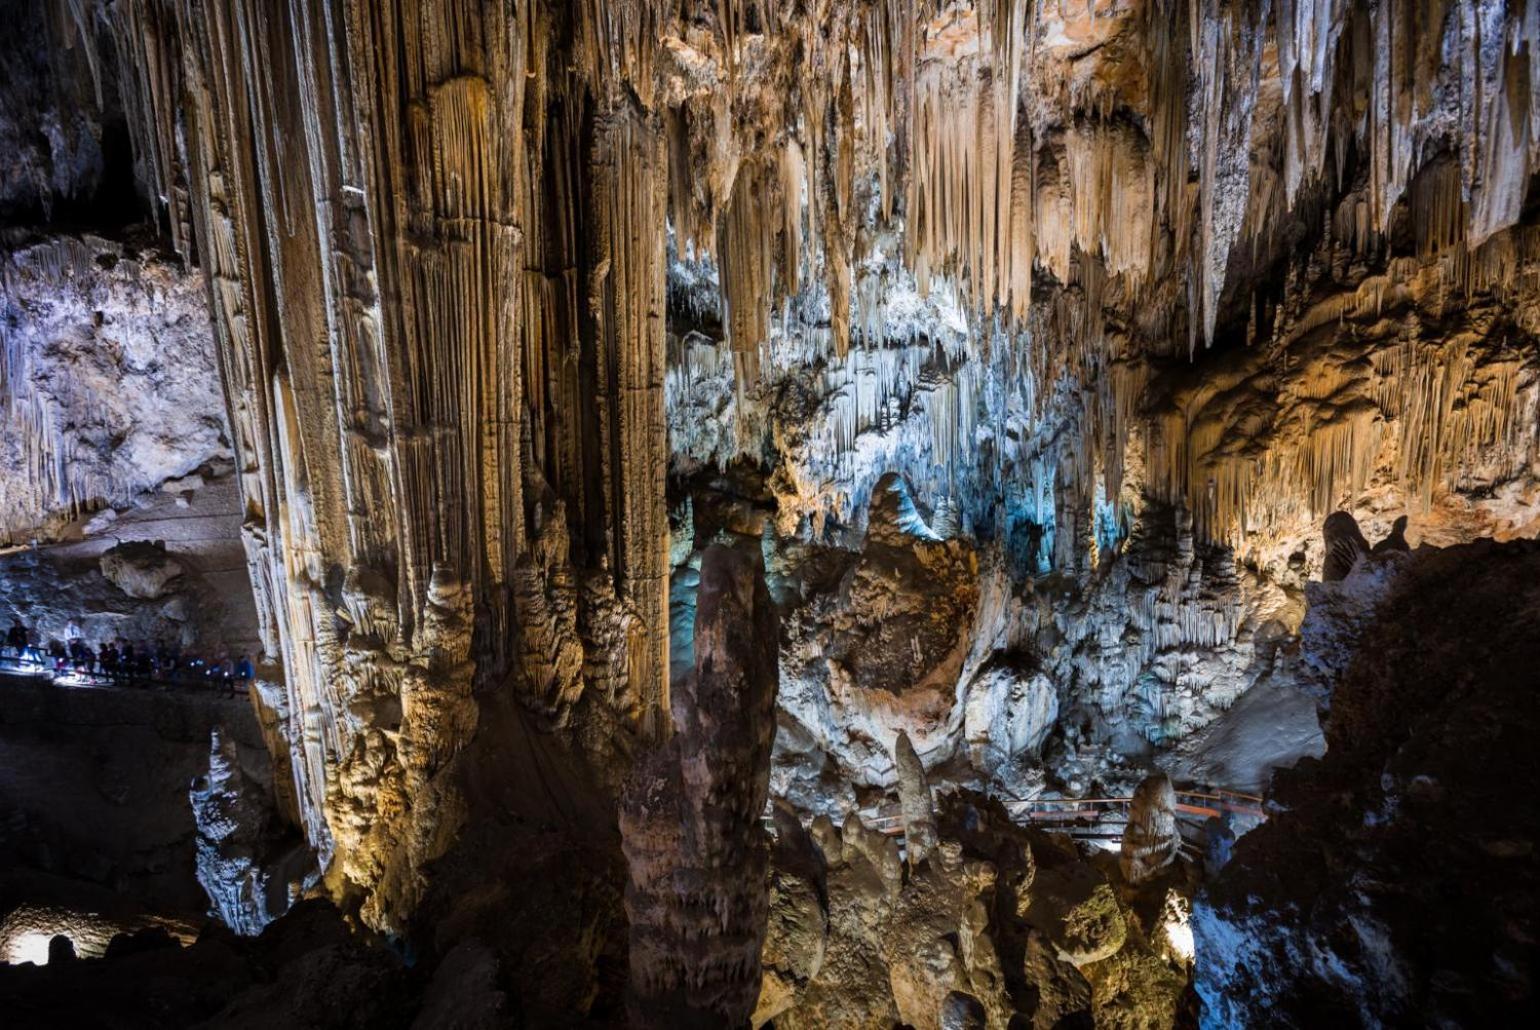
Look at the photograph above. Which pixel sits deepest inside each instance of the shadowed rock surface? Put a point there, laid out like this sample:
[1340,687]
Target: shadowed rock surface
[1395,882]
[690,819]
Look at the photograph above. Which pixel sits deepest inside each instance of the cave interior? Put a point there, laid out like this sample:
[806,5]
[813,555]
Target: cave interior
[941,514]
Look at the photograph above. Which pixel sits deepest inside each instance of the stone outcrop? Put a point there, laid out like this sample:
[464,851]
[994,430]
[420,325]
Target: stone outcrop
[1394,881]
[880,637]
[426,356]
[690,820]
[1052,331]
[906,603]
[997,927]
[140,569]
[251,866]
[1151,839]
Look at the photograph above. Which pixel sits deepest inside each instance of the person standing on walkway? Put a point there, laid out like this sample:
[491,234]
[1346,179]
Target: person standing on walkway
[16,639]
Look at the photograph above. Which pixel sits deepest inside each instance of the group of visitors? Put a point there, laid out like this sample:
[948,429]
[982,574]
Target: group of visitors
[121,661]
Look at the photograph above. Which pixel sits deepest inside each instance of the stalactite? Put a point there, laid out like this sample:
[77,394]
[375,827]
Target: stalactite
[436,243]
[744,256]
[422,341]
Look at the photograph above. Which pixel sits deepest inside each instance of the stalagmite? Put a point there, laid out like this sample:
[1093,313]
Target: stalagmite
[690,820]
[915,801]
[1150,840]
[1345,546]
[1396,541]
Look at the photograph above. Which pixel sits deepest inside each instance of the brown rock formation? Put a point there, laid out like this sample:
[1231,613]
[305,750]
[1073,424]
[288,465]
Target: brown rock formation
[1345,545]
[1000,927]
[915,801]
[908,601]
[1150,840]
[691,817]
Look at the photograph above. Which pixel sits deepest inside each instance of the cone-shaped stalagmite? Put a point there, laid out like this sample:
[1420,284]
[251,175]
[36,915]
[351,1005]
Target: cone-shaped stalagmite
[915,800]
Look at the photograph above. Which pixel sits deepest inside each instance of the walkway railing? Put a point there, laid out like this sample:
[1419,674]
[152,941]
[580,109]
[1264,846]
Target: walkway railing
[1097,818]
[186,678]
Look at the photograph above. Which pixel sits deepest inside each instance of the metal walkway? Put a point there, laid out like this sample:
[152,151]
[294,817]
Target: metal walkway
[1102,818]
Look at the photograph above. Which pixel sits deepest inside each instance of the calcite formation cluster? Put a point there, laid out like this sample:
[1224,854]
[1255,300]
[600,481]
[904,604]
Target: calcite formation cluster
[1047,333]
[983,924]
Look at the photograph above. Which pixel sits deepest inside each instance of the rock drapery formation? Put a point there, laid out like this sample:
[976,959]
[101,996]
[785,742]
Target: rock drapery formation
[1046,334]
[1005,247]
[1214,274]
[690,821]
[443,371]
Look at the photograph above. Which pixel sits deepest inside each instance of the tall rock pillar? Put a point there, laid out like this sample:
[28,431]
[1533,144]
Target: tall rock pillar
[691,819]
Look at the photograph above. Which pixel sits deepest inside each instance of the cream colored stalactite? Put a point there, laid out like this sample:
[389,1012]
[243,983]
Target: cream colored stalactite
[385,444]
[627,299]
[744,257]
[1407,58]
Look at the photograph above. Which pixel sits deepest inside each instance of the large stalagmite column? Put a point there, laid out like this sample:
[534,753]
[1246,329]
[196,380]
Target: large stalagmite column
[691,820]
[439,312]
[915,800]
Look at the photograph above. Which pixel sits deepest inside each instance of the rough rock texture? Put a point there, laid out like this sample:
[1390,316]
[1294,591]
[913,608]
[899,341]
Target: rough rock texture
[429,356]
[691,818]
[139,569]
[880,648]
[915,803]
[1129,294]
[1395,880]
[109,384]
[250,864]
[1103,264]
[1150,839]
[997,927]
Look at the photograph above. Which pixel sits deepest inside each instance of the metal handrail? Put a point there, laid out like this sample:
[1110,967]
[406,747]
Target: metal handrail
[1057,812]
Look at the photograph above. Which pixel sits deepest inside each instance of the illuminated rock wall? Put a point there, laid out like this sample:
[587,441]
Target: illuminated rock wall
[1130,292]
[108,381]
[435,268]
[1135,294]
